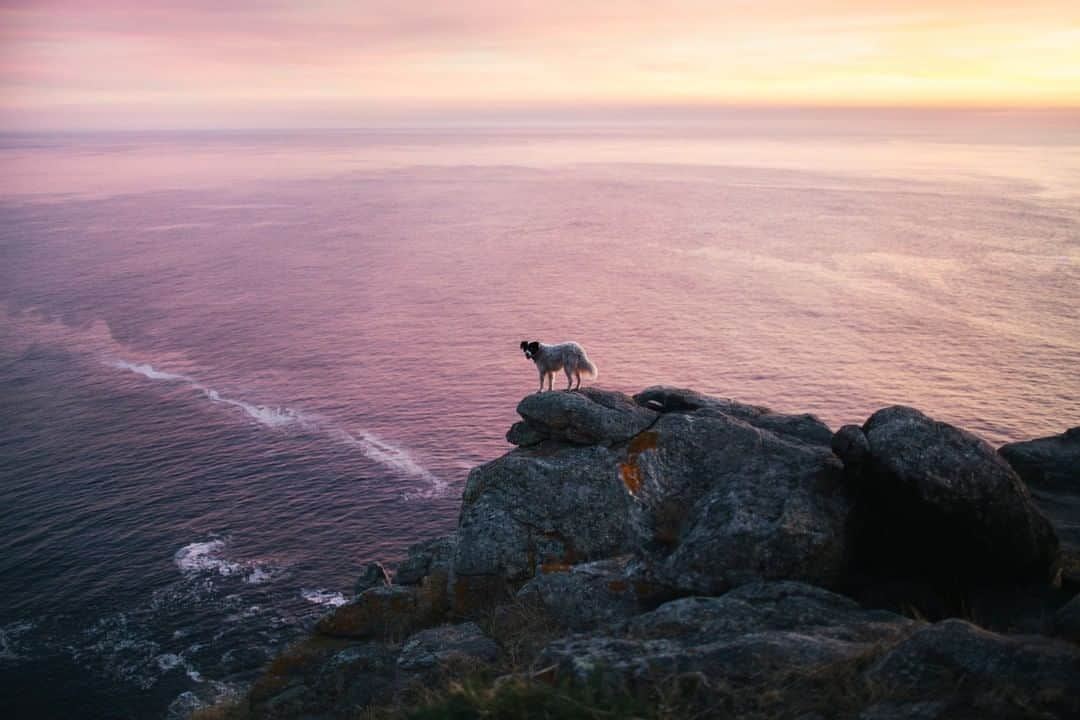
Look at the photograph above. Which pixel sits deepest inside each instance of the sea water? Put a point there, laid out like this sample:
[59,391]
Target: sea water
[236,366]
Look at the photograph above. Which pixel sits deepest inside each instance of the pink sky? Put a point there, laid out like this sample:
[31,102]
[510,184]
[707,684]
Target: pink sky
[241,63]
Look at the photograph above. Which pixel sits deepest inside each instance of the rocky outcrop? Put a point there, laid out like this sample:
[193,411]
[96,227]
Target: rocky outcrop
[535,507]
[584,596]
[828,650]
[980,672]
[687,547]
[1066,621]
[381,612]
[1051,468]
[588,417]
[937,500]
[438,647]
[712,492]
[373,575]
[1052,462]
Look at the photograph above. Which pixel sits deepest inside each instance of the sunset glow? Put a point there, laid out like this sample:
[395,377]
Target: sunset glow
[122,63]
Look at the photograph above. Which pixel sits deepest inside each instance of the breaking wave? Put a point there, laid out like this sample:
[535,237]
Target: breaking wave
[323,597]
[393,458]
[206,557]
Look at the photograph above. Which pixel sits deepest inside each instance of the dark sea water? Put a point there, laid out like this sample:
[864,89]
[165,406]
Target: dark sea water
[234,367]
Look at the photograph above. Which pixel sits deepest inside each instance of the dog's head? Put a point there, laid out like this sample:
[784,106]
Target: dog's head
[530,348]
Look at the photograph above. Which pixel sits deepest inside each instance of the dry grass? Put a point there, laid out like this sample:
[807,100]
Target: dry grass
[522,628]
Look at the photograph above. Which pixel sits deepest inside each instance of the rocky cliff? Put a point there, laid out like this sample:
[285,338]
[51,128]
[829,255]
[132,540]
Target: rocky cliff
[696,553]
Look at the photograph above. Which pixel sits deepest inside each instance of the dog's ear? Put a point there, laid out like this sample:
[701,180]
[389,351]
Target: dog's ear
[534,346]
[524,344]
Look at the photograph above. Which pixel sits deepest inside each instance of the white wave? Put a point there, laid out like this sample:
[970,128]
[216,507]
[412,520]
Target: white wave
[167,661]
[9,634]
[265,415]
[323,597]
[205,557]
[269,416]
[149,371]
[258,576]
[392,457]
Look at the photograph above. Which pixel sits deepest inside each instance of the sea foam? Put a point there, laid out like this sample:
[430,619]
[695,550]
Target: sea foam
[393,458]
[323,597]
[206,557]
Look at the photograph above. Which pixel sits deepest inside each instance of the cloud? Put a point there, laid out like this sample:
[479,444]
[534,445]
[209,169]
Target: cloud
[397,54]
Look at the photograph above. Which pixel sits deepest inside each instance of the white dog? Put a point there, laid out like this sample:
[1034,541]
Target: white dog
[550,359]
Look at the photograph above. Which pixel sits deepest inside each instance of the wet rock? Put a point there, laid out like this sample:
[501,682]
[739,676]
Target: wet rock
[430,649]
[1001,676]
[938,499]
[586,417]
[373,575]
[378,613]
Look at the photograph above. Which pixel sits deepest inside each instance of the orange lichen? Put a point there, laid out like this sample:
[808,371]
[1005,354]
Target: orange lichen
[629,470]
[618,586]
[555,567]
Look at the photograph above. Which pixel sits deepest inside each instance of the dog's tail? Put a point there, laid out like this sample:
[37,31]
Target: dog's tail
[587,367]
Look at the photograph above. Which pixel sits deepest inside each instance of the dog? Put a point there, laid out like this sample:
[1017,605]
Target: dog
[550,359]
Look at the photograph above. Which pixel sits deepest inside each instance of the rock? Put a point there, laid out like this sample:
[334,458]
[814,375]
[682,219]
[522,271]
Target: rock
[711,501]
[431,649]
[664,399]
[358,676]
[322,677]
[1050,463]
[727,503]
[373,575]
[1051,468]
[380,612]
[976,670]
[770,606]
[851,446]
[931,710]
[756,634]
[523,434]
[1067,620]
[533,507]
[586,417]
[424,557]
[936,499]
[806,428]
[583,596]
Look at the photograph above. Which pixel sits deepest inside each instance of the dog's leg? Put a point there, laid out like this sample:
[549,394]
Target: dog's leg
[569,379]
[577,374]
[541,382]
[551,379]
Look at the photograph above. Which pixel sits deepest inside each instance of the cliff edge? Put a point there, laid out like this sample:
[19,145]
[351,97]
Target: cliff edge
[694,555]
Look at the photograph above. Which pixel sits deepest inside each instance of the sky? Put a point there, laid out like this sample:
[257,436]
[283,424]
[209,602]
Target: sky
[318,63]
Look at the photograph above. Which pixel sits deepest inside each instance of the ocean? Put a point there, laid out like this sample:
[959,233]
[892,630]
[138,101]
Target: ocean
[236,366]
